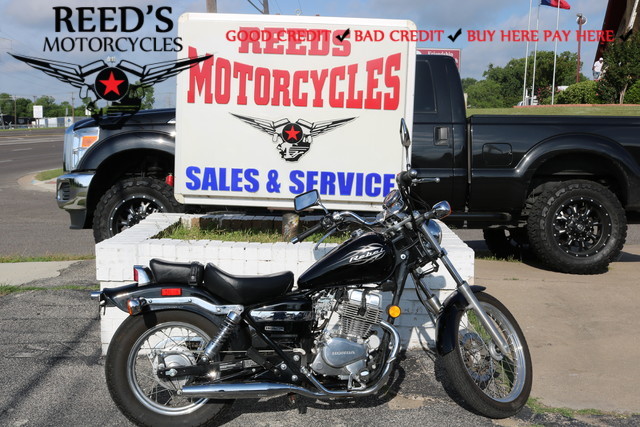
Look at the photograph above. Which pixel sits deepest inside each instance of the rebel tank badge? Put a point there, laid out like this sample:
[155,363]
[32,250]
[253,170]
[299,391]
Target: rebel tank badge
[293,139]
[111,84]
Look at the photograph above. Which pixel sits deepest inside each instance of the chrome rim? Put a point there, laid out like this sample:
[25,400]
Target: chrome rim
[581,227]
[501,377]
[172,344]
[131,211]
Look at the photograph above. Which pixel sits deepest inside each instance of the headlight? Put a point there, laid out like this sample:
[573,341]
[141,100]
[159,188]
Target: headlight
[76,143]
[435,230]
[393,202]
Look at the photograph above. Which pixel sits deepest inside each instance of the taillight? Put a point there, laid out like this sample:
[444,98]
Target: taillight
[171,292]
[169,180]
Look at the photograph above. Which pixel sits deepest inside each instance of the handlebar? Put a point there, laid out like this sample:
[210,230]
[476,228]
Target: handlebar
[410,177]
[300,237]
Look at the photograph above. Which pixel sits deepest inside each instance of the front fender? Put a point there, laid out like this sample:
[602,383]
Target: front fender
[114,144]
[446,333]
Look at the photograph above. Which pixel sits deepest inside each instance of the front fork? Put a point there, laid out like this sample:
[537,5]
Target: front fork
[464,289]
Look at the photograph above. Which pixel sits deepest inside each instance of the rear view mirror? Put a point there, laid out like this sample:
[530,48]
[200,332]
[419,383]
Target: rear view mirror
[306,200]
[405,138]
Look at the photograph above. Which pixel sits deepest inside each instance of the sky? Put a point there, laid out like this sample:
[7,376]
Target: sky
[24,25]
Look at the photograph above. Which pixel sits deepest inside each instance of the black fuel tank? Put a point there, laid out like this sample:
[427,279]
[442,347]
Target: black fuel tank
[365,259]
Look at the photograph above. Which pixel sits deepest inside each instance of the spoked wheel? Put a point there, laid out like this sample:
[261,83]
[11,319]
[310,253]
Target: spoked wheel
[496,385]
[144,346]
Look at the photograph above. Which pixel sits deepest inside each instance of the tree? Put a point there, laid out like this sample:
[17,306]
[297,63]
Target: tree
[49,107]
[621,66]
[148,98]
[485,94]
[468,81]
[510,76]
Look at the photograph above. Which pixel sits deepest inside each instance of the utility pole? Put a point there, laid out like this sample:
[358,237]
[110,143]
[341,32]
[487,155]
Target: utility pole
[15,111]
[212,6]
[581,21]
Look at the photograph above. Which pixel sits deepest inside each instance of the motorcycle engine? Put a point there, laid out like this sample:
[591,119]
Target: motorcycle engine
[343,348]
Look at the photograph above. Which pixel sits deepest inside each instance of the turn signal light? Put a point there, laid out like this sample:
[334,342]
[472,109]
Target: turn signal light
[171,292]
[88,140]
[394,311]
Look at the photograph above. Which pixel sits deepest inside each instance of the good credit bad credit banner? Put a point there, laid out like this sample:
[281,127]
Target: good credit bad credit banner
[283,105]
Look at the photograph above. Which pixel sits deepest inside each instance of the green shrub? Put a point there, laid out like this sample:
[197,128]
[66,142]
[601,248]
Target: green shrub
[579,93]
[632,96]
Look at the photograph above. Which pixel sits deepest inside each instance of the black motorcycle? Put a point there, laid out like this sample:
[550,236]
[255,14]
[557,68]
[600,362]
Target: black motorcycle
[198,337]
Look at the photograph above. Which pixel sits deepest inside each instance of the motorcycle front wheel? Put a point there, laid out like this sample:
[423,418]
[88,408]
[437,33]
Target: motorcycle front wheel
[494,384]
[146,343]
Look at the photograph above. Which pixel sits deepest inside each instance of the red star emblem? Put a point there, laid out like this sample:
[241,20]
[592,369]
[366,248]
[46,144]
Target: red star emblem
[111,85]
[292,133]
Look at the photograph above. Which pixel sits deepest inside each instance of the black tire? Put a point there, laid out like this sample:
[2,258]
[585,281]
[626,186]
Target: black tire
[126,380]
[130,201]
[577,227]
[506,243]
[476,375]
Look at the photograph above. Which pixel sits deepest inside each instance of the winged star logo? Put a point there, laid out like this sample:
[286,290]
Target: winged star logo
[293,139]
[111,83]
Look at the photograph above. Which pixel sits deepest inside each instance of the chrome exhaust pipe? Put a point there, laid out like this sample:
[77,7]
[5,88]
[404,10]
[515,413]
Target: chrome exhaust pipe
[253,390]
[244,391]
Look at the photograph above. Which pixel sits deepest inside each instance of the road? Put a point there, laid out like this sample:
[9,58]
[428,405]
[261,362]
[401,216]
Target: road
[32,224]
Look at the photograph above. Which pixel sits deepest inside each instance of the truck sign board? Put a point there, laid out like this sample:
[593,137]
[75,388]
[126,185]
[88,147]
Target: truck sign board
[286,104]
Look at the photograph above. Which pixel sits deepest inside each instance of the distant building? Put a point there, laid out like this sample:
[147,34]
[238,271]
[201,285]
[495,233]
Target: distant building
[621,17]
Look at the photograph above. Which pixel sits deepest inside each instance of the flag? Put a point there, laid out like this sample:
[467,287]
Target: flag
[554,3]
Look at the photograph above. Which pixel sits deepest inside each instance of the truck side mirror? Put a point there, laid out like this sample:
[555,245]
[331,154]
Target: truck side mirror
[306,200]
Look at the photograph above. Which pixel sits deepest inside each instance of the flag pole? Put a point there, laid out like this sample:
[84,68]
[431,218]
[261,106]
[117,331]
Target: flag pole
[555,57]
[535,56]
[526,59]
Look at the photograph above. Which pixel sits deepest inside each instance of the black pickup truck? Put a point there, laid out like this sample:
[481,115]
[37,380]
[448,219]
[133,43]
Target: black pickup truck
[558,185]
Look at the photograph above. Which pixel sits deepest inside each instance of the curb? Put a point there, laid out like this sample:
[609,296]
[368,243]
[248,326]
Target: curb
[29,182]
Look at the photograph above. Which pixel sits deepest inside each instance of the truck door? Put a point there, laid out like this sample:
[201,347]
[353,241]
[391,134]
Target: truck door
[435,138]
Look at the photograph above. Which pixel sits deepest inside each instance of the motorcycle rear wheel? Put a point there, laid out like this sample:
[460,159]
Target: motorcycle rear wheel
[174,338]
[494,384]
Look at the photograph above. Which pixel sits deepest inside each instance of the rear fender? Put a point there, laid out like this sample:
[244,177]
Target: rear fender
[446,333]
[187,298]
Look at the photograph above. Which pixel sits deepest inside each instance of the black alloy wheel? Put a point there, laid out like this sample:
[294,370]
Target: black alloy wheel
[130,201]
[577,227]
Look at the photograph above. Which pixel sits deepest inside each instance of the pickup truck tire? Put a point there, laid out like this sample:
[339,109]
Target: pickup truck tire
[130,201]
[577,227]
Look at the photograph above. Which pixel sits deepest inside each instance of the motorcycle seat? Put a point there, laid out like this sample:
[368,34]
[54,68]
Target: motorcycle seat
[246,290]
[179,273]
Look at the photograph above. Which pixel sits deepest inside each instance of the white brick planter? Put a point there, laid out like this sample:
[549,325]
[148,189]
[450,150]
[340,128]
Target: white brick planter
[115,258]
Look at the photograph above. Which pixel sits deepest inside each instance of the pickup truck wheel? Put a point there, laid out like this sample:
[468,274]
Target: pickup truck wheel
[506,243]
[577,227]
[130,201]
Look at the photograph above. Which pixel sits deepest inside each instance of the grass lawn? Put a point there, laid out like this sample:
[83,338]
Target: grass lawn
[560,110]
[47,175]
